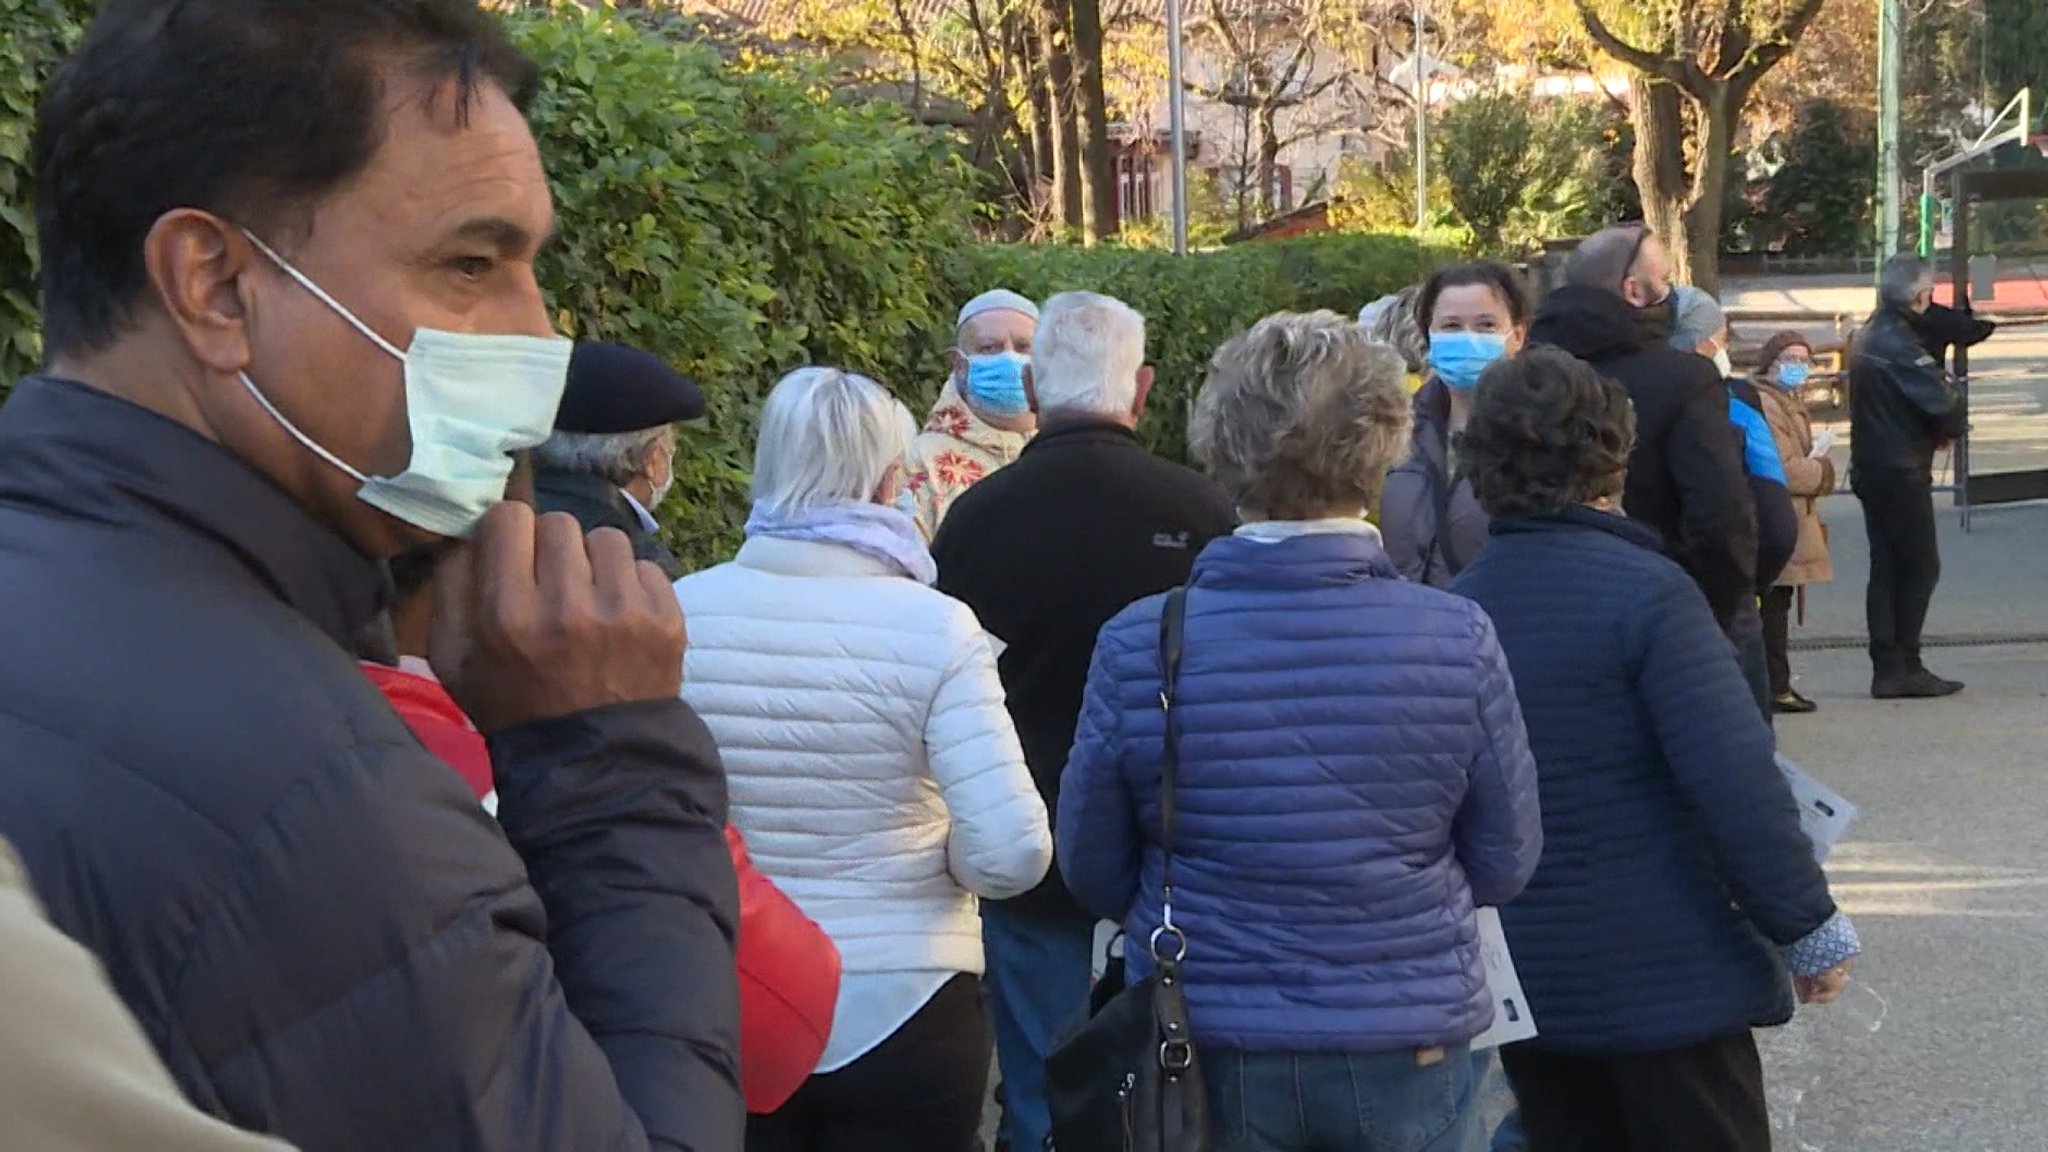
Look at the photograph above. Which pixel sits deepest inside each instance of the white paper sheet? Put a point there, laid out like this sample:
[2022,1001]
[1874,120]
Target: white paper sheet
[1823,814]
[1512,1022]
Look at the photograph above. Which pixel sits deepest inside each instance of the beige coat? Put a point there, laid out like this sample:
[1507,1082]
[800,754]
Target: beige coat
[953,453]
[76,1072]
[1807,478]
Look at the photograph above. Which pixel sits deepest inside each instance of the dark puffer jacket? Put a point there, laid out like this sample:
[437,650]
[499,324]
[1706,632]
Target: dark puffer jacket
[1673,860]
[319,929]
[1685,478]
[1423,492]
[1902,405]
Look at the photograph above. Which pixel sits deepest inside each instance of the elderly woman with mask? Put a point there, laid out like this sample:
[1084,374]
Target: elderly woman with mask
[1786,362]
[1474,314]
[1676,887]
[873,767]
[1352,774]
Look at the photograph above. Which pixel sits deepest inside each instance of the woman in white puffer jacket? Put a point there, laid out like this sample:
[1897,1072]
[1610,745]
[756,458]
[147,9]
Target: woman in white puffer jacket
[873,767]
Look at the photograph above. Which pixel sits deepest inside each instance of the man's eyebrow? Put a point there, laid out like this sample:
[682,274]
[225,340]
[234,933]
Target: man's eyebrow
[509,238]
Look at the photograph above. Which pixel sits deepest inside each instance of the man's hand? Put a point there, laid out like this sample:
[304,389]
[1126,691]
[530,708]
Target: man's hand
[533,620]
[1822,989]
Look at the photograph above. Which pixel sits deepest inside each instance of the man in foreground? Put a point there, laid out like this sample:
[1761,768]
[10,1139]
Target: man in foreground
[1902,408]
[294,330]
[1045,552]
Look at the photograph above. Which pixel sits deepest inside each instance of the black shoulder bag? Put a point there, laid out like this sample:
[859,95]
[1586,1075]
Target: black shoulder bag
[1126,1079]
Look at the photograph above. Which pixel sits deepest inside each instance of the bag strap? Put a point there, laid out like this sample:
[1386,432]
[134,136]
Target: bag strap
[1172,631]
[1446,484]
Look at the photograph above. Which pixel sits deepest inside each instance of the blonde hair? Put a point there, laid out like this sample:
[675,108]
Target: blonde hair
[827,435]
[1302,415]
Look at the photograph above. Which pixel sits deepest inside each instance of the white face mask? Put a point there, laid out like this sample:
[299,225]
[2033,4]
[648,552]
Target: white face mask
[662,489]
[1722,364]
[471,401]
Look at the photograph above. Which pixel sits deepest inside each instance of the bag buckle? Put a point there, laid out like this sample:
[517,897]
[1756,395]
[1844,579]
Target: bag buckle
[1168,932]
[1176,1056]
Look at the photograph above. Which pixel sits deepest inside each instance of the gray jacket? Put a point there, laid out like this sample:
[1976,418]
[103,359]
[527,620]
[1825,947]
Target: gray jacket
[1415,502]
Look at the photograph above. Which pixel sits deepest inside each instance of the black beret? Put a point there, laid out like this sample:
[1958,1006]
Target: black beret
[614,389]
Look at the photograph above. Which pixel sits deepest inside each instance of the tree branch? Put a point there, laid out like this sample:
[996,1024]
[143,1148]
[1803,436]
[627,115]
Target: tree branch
[1766,56]
[1679,71]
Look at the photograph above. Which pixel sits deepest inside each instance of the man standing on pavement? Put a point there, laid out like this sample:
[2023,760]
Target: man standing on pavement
[983,418]
[1045,552]
[612,458]
[1685,476]
[1902,408]
[294,330]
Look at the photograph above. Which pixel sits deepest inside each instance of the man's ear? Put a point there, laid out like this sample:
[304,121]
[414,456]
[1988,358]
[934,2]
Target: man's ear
[1144,390]
[196,264]
[956,362]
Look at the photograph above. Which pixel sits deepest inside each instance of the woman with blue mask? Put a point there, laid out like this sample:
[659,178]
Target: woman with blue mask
[1474,314]
[1787,362]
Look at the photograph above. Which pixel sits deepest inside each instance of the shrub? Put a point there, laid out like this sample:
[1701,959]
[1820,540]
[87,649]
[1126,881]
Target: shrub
[1193,304]
[34,36]
[739,222]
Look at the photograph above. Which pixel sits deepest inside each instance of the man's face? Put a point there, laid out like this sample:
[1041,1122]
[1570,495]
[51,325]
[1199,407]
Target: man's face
[1649,278]
[991,333]
[439,231]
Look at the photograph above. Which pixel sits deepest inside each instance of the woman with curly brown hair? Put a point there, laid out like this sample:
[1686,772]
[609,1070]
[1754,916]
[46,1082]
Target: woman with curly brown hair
[1676,888]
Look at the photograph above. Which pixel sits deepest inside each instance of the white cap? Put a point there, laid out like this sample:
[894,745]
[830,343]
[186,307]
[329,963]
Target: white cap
[999,300]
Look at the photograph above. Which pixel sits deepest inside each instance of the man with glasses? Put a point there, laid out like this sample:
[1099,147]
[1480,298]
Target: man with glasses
[1685,476]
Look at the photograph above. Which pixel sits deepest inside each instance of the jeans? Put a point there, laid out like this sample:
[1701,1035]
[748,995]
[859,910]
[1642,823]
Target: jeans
[1509,1137]
[921,1088]
[1038,973]
[1382,1102]
[1905,565]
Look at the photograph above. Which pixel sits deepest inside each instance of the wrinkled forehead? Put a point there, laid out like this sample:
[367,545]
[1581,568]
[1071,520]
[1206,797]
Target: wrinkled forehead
[998,331]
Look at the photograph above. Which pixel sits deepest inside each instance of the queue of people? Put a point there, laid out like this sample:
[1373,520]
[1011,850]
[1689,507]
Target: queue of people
[595,854]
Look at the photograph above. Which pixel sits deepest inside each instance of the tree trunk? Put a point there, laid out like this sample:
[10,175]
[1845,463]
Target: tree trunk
[1098,157]
[1660,167]
[1269,161]
[1066,121]
[1714,144]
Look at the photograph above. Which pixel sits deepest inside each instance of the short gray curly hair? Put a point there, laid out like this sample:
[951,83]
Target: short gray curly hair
[1301,416]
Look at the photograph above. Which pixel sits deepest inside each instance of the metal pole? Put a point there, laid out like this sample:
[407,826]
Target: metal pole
[1421,127]
[1177,121]
[1889,63]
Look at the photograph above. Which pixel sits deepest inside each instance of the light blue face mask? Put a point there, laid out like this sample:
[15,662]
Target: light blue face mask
[1794,374]
[471,401]
[995,383]
[1460,357]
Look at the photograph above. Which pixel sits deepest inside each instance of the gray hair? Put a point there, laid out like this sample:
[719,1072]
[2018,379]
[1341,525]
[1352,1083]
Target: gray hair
[1696,317]
[1603,259]
[617,457]
[827,436]
[1902,280]
[1397,326]
[1087,355]
[1302,415]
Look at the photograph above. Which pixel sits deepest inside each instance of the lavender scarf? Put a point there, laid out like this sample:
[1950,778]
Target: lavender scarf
[885,534]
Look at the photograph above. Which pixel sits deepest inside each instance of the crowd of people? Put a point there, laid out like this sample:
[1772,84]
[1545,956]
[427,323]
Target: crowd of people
[375,778]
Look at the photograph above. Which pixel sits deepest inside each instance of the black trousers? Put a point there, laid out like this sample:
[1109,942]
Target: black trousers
[1707,1098]
[922,1089]
[1778,638]
[1905,565]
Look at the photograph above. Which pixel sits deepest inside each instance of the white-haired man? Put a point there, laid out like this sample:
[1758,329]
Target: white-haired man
[983,418]
[1045,552]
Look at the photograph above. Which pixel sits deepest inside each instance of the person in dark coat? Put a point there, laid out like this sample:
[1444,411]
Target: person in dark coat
[293,330]
[612,458]
[1676,887]
[1475,314]
[1686,478]
[1045,551]
[1942,329]
[1903,407]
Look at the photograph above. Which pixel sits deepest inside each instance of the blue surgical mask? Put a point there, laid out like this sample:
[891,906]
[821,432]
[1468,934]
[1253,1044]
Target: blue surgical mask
[471,401]
[1793,375]
[1459,357]
[995,383]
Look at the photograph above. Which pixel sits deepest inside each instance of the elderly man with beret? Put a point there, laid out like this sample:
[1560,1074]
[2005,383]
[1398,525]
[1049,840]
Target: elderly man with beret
[983,418]
[611,459]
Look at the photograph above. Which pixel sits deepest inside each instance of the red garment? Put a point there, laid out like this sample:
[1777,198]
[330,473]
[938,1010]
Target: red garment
[788,967]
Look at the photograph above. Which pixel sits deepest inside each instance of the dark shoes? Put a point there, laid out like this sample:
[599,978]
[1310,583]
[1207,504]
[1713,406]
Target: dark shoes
[1917,685]
[1790,703]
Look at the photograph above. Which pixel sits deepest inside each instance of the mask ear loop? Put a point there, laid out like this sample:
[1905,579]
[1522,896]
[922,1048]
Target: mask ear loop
[304,440]
[321,295]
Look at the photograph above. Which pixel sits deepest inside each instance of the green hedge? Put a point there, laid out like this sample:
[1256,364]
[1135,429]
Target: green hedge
[34,36]
[1193,304]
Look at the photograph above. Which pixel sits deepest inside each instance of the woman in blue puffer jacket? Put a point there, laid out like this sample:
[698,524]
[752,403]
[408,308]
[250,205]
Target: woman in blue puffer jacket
[1354,777]
[1676,887]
